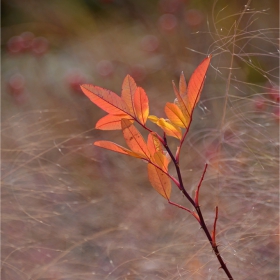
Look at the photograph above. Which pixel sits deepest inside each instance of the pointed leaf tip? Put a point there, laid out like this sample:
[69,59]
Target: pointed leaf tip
[141,105]
[128,90]
[107,100]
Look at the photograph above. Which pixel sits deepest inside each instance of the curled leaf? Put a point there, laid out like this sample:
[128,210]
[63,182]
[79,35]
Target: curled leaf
[153,118]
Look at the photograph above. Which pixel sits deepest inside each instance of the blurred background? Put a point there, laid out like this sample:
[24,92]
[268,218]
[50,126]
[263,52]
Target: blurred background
[74,211]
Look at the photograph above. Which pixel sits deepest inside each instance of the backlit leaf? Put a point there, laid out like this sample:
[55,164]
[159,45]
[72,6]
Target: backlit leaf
[188,96]
[111,122]
[182,85]
[117,148]
[169,128]
[153,143]
[175,115]
[158,178]
[195,84]
[128,90]
[153,118]
[180,100]
[141,105]
[134,139]
[107,100]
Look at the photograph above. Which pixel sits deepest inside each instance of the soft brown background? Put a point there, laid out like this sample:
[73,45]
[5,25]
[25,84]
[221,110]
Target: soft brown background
[74,211]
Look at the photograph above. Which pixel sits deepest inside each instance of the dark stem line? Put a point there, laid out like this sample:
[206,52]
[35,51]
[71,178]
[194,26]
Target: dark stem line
[214,246]
[197,207]
[182,188]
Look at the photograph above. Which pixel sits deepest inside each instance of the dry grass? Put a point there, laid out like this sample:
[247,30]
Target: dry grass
[73,211]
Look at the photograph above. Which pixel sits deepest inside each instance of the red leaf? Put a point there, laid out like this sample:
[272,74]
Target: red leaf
[107,100]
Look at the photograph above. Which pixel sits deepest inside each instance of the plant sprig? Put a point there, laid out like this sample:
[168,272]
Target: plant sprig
[133,107]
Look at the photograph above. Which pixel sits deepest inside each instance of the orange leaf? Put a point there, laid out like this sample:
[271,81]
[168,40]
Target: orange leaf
[188,96]
[107,100]
[169,128]
[134,139]
[195,84]
[128,90]
[153,143]
[182,85]
[111,122]
[141,105]
[180,100]
[153,118]
[159,179]
[175,115]
[116,148]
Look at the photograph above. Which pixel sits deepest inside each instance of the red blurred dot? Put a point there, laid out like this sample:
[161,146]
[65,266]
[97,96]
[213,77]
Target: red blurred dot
[14,44]
[27,38]
[105,68]
[259,103]
[75,78]
[16,84]
[138,72]
[169,6]
[168,22]
[274,93]
[40,45]
[193,17]
[149,43]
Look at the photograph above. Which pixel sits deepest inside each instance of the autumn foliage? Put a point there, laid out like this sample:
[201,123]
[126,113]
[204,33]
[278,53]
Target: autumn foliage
[132,107]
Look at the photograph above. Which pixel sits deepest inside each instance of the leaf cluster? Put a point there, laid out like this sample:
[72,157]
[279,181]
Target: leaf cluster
[133,107]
